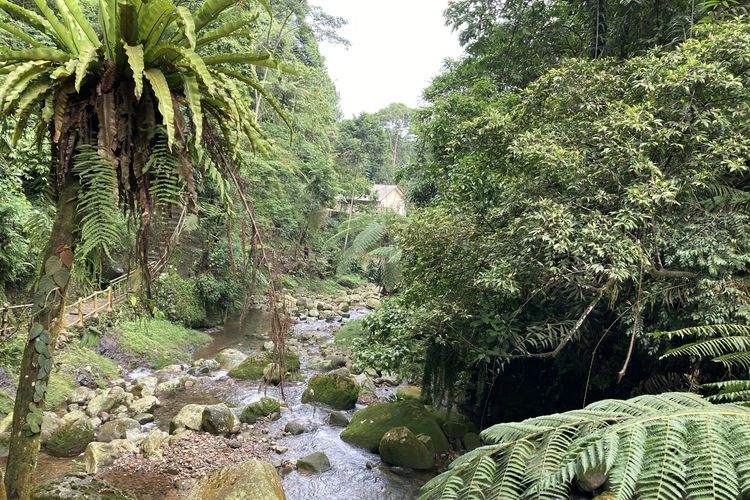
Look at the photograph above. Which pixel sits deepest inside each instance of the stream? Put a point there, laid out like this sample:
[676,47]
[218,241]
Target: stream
[355,473]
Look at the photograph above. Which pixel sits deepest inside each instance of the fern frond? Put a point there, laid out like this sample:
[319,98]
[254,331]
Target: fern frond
[663,447]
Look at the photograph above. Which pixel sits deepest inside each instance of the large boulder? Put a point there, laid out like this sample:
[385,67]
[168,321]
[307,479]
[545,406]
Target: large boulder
[152,445]
[453,423]
[144,386]
[409,392]
[71,436]
[146,404]
[369,425]
[253,367]
[81,395]
[100,455]
[122,428]
[253,479]
[230,358]
[50,423]
[335,389]
[218,419]
[315,463]
[400,446]
[107,400]
[77,486]
[189,417]
[263,408]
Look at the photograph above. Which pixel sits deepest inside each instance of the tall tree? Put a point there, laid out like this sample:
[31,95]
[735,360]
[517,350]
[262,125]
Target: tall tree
[112,97]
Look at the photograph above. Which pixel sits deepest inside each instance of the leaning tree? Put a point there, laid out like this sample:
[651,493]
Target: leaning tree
[113,97]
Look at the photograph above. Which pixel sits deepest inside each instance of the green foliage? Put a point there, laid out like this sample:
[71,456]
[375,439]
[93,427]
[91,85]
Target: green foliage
[179,300]
[160,342]
[666,447]
[349,333]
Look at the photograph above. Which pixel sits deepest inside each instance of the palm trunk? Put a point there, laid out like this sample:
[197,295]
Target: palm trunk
[36,365]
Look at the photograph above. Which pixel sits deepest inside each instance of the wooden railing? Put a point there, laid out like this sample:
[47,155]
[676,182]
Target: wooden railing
[16,318]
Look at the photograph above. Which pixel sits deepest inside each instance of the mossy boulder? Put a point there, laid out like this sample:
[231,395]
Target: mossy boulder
[471,441]
[72,436]
[253,479]
[77,487]
[218,419]
[100,455]
[409,392]
[230,358]
[400,446]
[259,409]
[335,389]
[314,463]
[369,425]
[253,367]
[453,423]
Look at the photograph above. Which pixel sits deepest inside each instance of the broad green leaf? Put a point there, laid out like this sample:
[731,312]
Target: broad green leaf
[193,96]
[135,60]
[84,61]
[164,96]
[185,18]
[209,11]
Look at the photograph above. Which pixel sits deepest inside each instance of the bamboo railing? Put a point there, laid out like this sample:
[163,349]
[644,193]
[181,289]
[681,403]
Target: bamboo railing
[15,318]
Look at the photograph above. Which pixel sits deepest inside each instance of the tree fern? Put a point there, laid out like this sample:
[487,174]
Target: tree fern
[725,344]
[670,446]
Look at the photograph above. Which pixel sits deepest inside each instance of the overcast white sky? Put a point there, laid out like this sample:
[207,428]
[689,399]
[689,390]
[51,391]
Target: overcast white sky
[397,47]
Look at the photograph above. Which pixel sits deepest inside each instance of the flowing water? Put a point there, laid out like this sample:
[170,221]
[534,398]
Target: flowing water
[355,474]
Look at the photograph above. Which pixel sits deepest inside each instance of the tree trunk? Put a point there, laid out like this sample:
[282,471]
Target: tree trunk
[36,365]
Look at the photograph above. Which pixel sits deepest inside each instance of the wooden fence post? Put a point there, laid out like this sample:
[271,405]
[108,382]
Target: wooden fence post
[109,299]
[95,306]
[5,320]
[80,312]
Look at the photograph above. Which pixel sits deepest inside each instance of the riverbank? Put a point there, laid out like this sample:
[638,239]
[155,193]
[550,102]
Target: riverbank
[157,429]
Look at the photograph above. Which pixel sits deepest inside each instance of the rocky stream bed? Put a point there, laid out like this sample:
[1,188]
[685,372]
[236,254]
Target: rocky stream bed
[200,431]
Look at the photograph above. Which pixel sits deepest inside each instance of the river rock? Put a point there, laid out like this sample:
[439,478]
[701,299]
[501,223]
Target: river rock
[272,374]
[315,463]
[372,303]
[144,405]
[71,436]
[254,365]
[218,419]
[409,392]
[334,389]
[338,419]
[369,425]
[387,379]
[50,423]
[336,361]
[78,486]
[99,455]
[189,417]
[144,386]
[153,443]
[169,386]
[107,400]
[366,385]
[254,480]
[454,423]
[263,408]
[295,428]
[123,428]
[204,367]
[144,418]
[268,346]
[400,446]
[81,395]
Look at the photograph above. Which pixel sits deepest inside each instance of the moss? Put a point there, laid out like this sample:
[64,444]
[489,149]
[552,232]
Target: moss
[338,391]
[369,425]
[253,366]
[103,370]
[348,333]
[160,342]
[11,353]
[452,421]
[259,409]
[71,439]
[6,402]
[61,385]
[401,447]
[315,286]
[409,392]
[177,297]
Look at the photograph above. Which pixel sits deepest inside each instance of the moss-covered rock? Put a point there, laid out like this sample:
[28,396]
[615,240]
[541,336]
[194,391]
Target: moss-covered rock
[335,389]
[72,436]
[471,441]
[409,392]
[77,487]
[253,479]
[230,358]
[259,409]
[100,455]
[400,446]
[369,425]
[454,423]
[314,463]
[218,419]
[253,367]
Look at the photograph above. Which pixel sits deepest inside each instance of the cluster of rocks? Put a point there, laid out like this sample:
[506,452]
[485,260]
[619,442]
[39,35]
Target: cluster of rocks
[304,306]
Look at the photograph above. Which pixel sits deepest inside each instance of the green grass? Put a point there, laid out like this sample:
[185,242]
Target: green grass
[351,330]
[160,342]
[6,403]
